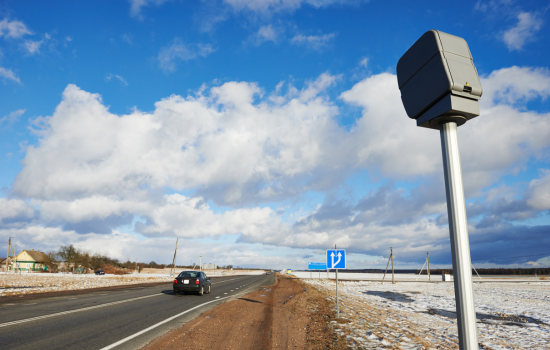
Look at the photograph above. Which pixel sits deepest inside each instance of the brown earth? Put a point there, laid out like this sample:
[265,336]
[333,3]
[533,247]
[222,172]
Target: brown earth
[284,315]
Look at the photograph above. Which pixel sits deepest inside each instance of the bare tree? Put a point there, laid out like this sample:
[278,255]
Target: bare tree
[51,262]
[69,255]
[97,261]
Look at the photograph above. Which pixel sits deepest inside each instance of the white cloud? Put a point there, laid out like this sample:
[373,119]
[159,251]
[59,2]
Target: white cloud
[13,29]
[264,34]
[178,145]
[387,139]
[137,5]
[235,145]
[12,117]
[127,38]
[267,7]
[14,210]
[515,85]
[8,74]
[315,42]
[120,78]
[540,191]
[524,31]
[178,50]
[33,46]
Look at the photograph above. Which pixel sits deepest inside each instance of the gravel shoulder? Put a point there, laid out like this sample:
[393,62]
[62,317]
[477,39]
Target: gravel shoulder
[285,315]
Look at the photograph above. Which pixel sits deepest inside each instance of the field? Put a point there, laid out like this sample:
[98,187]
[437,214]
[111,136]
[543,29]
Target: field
[413,315]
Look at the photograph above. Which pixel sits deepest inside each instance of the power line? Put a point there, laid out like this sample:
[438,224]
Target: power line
[511,257]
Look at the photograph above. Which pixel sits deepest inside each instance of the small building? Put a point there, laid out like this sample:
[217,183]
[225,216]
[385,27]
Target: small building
[30,260]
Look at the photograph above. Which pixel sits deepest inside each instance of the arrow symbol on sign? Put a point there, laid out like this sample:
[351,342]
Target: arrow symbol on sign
[337,261]
[332,255]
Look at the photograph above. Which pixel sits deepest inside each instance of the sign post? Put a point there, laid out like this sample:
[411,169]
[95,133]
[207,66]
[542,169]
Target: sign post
[440,89]
[336,259]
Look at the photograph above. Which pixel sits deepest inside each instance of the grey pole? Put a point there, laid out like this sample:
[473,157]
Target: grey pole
[392,274]
[428,258]
[337,309]
[460,246]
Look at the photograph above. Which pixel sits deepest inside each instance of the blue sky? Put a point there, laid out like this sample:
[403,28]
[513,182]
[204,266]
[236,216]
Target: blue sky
[263,132]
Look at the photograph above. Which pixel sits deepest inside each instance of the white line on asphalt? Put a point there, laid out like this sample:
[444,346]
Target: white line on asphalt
[83,309]
[156,325]
[73,311]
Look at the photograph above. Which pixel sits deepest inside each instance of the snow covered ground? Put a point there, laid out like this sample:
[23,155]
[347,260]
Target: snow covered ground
[421,315]
[29,283]
[13,284]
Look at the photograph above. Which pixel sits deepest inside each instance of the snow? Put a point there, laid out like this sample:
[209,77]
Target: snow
[421,315]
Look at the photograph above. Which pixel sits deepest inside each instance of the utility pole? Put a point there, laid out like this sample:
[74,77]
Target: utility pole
[174,260]
[388,264]
[428,258]
[8,254]
[392,273]
[200,262]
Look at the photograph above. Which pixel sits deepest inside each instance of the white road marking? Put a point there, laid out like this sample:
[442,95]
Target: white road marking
[224,293]
[156,325]
[73,311]
[217,297]
[83,309]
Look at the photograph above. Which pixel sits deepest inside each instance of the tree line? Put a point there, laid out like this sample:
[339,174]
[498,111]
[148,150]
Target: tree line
[496,271]
[71,259]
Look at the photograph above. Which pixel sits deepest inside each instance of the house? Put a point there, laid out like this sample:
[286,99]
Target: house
[30,260]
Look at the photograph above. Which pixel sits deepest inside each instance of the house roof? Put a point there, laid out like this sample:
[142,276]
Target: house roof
[36,255]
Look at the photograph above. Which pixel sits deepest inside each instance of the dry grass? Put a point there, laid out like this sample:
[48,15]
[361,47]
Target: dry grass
[544,278]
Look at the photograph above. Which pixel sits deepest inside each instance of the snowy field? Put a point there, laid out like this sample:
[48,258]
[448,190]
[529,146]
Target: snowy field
[13,284]
[421,315]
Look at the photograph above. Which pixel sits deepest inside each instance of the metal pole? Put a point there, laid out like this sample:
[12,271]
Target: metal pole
[392,274]
[337,309]
[429,277]
[460,246]
[200,262]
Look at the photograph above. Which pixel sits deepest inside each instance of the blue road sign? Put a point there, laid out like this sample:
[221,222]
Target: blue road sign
[336,259]
[316,266]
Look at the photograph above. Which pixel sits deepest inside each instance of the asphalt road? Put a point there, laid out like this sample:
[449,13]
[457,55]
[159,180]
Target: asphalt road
[116,319]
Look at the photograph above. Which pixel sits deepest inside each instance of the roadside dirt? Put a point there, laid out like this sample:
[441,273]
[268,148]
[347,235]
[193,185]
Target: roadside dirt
[285,315]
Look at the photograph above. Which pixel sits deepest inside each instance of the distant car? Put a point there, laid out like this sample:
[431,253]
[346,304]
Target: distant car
[192,281]
[100,272]
[268,273]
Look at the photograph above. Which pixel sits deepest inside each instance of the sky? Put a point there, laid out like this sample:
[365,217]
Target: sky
[260,133]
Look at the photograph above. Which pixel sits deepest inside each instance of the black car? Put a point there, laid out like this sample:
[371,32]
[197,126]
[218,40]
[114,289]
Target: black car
[100,272]
[192,281]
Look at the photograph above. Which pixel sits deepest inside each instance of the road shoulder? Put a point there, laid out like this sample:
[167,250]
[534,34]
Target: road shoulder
[285,315]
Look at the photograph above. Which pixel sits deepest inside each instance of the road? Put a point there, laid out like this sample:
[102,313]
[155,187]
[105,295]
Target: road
[117,319]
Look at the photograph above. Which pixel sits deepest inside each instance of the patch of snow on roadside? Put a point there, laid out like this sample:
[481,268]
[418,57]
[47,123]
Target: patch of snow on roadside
[422,315]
